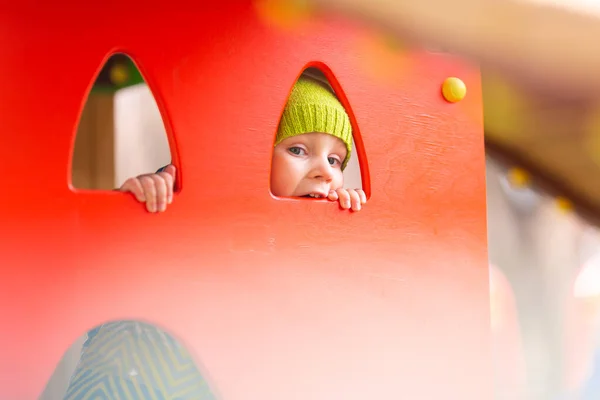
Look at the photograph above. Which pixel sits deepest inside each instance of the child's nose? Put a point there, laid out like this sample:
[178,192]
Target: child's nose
[322,169]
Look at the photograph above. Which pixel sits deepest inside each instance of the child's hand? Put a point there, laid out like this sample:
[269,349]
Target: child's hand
[156,190]
[349,198]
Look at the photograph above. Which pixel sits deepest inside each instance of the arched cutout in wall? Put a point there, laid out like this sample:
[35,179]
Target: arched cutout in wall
[317,145]
[124,360]
[120,133]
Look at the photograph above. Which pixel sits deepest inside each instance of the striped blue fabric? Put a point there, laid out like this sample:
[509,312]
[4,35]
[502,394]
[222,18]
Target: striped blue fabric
[130,360]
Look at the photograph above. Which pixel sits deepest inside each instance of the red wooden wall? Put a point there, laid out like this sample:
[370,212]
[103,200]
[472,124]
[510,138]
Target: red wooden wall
[277,298]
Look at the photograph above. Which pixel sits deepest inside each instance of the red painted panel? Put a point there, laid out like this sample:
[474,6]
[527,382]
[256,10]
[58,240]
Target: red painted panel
[278,299]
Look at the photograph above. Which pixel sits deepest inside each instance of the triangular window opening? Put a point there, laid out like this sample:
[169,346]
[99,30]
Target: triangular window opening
[120,133]
[314,119]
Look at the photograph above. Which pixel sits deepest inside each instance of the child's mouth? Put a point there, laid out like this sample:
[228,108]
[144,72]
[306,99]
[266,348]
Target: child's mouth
[313,196]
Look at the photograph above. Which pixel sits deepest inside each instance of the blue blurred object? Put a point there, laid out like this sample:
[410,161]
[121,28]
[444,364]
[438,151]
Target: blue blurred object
[129,360]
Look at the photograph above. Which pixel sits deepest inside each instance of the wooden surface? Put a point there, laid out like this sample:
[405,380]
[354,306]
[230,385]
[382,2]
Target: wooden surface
[93,165]
[275,298]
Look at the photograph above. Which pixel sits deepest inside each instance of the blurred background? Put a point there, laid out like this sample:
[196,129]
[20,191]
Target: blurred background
[542,167]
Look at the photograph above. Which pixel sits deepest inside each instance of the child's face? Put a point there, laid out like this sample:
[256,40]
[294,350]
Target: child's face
[308,165]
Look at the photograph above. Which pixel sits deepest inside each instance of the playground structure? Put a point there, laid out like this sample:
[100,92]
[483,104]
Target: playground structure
[365,300]
[253,279]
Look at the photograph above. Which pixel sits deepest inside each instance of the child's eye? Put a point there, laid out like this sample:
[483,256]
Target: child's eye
[334,161]
[296,150]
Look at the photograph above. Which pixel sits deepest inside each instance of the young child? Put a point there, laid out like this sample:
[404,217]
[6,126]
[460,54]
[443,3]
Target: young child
[312,148]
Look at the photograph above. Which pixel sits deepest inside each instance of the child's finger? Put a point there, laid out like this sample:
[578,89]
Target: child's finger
[169,179]
[344,198]
[333,196]
[354,200]
[362,195]
[171,170]
[149,191]
[134,186]
[161,192]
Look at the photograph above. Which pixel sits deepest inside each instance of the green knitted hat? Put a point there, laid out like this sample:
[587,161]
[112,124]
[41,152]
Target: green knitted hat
[313,107]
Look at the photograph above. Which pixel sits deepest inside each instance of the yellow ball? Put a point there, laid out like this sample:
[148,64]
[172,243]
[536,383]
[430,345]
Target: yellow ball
[119,74]
[454,89]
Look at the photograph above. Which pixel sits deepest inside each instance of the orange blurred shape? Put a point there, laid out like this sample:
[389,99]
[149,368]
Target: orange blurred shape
[519,178]
[283,13]
[564,205]
[385,57]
